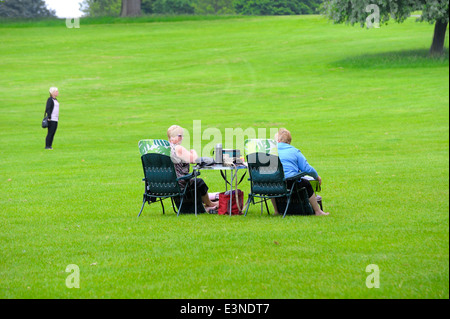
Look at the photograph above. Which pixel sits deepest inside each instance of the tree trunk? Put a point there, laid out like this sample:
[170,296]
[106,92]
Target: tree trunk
[437,47]
[130,8]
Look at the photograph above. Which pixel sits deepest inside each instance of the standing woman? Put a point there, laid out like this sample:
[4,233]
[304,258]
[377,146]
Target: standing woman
[52,110]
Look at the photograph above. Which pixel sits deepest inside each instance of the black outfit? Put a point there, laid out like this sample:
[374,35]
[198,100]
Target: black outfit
[182,169]
[52,125]
[202,188]
[303,183]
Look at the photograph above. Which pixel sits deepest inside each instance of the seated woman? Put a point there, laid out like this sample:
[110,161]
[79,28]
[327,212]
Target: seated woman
[181,158]
[293,163]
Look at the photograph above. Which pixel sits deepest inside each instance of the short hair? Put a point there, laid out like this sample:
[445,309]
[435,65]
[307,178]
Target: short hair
[53,90]
[173,131]
[284,136]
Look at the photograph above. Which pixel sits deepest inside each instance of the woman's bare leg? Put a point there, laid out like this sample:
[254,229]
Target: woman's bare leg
[316,207]
[274,203]
[208,203]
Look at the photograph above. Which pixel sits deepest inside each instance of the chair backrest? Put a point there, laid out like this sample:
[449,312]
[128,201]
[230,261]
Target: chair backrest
[264,166]
[154,146]
[267,146]
[159,170]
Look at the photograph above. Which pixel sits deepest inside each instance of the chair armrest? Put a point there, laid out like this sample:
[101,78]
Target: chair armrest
[296,176]
[314,182]
[188,176]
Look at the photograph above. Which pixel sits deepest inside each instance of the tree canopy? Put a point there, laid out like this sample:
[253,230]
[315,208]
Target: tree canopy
[276,7]
[25,9]
[353,12]
[246,7]
[95,8]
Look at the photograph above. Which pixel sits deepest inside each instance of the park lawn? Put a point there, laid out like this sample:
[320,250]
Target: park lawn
[367,108]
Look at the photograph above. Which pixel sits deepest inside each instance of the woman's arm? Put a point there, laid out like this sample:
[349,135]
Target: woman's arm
[187,156]
[304,166]
[49,107]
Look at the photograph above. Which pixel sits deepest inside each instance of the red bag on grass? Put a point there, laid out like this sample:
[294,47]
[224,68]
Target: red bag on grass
[224,203]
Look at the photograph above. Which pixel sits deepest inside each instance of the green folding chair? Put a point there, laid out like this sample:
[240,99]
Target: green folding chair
[267,179]
[161,181]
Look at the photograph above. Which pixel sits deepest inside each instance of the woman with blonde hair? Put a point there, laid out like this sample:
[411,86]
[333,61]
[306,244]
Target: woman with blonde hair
[181,158]
[52,111]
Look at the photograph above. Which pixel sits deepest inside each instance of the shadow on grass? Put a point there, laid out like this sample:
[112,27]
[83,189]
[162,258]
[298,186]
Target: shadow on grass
[397,59]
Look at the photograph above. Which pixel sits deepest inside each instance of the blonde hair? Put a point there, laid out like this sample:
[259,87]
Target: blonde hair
[53,90]
[283,136]
[173,131]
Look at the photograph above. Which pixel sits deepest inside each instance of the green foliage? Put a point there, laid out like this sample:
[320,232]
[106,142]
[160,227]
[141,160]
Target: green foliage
[214,7]
[202,7]
[276,7]
[100,8]
[25,9]
[434,10]
[352,12]
[173,7]
[147,6]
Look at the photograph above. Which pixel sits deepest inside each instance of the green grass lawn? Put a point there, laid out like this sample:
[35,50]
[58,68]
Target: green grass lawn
[367,108]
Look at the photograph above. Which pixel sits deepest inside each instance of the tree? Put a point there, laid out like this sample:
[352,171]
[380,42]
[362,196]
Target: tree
[131,8]
[95,8]
[276,7]
[214,7]
[173,7]
[433,11]
[147,6]
[99,8]
[25,9]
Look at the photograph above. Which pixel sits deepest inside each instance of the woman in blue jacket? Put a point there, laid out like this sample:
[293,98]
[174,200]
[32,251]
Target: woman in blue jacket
[293,163]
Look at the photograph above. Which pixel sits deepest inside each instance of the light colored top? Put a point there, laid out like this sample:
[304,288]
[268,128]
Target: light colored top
[181,167]
[55,113]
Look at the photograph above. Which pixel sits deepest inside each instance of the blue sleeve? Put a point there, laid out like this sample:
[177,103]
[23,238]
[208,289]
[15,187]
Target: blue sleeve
[305,167]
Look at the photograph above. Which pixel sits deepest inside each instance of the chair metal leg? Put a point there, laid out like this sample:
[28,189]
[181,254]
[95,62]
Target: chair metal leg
[287,206]
[183,195]
[248,205]
[143,203]
[267,207]
[173,205]
[181,204]
[289,200]
[161,200]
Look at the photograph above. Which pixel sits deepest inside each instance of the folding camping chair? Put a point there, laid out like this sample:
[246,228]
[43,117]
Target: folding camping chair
[161,180]
[267,179]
